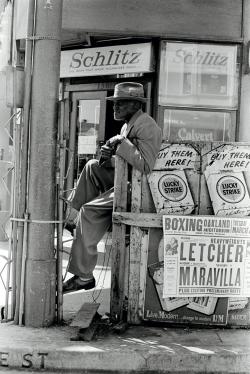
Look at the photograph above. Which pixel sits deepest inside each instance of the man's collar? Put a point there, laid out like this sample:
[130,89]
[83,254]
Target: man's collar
[134,117]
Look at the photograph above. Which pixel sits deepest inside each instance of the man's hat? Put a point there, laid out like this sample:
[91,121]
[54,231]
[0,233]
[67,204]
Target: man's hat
[128,91]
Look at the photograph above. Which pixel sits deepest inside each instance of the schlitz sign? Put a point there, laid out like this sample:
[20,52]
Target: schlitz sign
[119,59]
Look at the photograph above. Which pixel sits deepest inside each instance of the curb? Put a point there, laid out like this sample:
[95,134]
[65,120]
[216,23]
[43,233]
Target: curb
[90,359]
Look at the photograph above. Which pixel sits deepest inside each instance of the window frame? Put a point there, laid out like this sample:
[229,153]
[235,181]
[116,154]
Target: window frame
[234,111]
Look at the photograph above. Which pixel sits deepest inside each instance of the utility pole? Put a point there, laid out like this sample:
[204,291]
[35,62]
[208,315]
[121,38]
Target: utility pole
[40,275]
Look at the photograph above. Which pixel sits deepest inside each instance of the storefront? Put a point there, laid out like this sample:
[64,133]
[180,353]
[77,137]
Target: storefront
[88,76]
[192,90]
[189,55]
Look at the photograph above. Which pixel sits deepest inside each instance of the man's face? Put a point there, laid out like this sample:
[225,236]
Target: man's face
[124,109]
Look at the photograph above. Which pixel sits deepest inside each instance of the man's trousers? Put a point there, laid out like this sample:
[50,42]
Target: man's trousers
[93,199]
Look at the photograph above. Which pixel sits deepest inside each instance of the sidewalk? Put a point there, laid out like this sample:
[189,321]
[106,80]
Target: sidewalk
[141,349]
[72,302]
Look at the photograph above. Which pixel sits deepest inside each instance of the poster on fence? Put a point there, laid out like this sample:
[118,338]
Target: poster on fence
[227,178]
[205,310]
[206,256]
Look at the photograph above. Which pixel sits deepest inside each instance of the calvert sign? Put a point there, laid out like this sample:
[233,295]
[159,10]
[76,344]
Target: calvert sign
[119,59]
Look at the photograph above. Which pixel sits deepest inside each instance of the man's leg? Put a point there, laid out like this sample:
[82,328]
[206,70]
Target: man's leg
[94,179]
[94,219]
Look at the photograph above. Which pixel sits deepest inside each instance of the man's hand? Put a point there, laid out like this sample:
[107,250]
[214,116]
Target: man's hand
[109,148]
[114,141]
[105,153]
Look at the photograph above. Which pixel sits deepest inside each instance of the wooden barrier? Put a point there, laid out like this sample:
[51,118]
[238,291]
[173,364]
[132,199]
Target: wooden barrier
[137,281]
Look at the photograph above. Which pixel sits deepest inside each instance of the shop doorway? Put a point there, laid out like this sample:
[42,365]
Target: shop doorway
[91,124]
[86,121]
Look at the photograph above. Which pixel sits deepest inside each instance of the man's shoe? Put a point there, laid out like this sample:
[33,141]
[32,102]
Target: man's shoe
[76,284]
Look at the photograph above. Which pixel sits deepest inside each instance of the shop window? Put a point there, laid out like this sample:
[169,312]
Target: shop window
[197,125]
[198,91]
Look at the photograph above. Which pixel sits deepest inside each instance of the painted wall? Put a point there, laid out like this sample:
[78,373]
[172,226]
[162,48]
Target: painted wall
[178,18]
[200,19]
[193,18]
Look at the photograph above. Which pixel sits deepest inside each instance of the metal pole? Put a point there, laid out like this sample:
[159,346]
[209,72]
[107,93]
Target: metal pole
[15,199]
[21,304]
[40,277]
[60,216]
[24,153]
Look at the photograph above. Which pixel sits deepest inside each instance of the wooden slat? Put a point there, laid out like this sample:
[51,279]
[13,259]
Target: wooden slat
[136,191]
[143,272]
[145,220]
[120,185]
[147,203]
[136,235]
[205,203]
[137,243]
[118,241]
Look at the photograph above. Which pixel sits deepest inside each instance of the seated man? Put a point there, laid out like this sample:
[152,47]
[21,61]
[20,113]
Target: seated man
[138,143]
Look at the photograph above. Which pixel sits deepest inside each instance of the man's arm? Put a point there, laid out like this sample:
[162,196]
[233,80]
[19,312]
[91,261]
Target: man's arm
[108,150]
[142,148]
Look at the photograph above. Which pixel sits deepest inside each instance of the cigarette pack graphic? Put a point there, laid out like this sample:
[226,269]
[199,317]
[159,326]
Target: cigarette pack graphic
[205,305]
[228,192]
[170,191]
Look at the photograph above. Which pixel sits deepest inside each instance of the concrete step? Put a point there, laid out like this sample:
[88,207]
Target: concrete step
[141,349]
